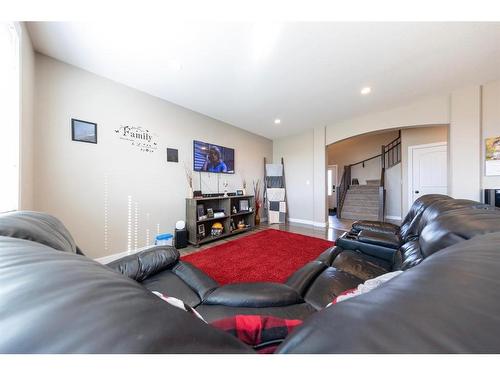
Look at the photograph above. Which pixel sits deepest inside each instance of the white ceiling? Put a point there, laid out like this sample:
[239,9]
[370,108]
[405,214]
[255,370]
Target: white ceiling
[306,74]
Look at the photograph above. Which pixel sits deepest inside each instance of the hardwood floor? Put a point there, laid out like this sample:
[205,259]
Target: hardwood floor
[331,233]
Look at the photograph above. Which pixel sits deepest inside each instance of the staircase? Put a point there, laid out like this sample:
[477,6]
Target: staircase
[361,202]
[367,202]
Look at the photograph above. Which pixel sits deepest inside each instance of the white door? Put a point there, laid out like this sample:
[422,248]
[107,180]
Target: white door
[427,170]
[331,178]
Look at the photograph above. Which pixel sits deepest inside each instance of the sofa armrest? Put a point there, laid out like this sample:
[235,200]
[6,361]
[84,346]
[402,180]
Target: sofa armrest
[350,242]
[329,255]
[254,295]
[301,279]
[146,263]
[378,238]
[195,278]
[375,226]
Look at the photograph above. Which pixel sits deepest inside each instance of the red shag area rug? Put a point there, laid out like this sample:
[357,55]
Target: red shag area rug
[270,255]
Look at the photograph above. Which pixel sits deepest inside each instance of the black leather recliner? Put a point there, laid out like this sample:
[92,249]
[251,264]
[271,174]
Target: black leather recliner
[160,269]
[441,223]
[56,301]
[384,245]
[382,234]
[448,304]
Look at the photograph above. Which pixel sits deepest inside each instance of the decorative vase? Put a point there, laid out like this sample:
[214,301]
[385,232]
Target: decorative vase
[190,193]
[257,216]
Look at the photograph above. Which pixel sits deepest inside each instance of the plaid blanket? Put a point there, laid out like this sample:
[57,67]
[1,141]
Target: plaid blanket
[263,333]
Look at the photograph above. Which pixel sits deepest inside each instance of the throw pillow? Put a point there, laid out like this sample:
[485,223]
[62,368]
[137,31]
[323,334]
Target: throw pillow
[366,287]
[179,304]
[263,333]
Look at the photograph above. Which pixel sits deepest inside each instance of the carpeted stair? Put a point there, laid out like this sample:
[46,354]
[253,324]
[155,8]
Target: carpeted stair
[361,202]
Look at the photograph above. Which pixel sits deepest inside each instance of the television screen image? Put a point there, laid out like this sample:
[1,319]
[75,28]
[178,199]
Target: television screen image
[212,158]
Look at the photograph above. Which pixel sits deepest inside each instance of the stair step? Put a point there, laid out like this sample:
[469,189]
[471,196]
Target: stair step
[363,186]
[361,196]
[358,216]
[373,182]
[362,192]
[360,209]
[363,189]
[361,202]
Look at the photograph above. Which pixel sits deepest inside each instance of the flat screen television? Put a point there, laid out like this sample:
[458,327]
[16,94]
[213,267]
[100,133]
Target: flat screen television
[208,157]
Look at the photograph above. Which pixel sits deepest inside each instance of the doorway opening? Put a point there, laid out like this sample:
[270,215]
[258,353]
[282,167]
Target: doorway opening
[371,176]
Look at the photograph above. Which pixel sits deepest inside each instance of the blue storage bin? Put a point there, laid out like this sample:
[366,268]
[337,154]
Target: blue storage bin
[164,239]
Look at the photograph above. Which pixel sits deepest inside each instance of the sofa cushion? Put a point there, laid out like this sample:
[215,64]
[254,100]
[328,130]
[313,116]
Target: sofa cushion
[410,225]
[168,283]
[382,239]
[329,284]
[297,311]
[37,227]
[253,295]
[458,225]
[375,226]
[440,207]
[180,304]
[362,266]
[409,255]
[366,287]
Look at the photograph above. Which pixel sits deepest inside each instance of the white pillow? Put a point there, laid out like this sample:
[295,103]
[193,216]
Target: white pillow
[179,304]
[366,287]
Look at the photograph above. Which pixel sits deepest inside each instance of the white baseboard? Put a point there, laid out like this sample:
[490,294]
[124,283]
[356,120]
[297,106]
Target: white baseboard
[308,222]
[112,257]
[394,218]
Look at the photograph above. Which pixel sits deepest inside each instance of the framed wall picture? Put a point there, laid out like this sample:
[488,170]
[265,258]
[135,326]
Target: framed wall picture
[210,212]
[201,231]
[83,131]
[492,156]
[244,205]
[200,209]
[172,155]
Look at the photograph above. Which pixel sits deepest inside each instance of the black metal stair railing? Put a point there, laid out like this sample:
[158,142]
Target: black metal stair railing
[390,156]
[342,189]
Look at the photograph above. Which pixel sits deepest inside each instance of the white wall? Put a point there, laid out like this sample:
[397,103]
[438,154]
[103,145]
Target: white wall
[393,192]
[27,121]
[297,153]
[305,161]
[428,111]
[319,177]
[465,145]
[88,186]
[490,127]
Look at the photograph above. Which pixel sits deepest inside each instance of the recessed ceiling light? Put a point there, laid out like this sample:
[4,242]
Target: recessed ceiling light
[277,121]
[366,90]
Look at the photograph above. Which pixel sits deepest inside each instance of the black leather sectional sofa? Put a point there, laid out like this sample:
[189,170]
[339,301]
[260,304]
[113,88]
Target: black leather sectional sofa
[53,299]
